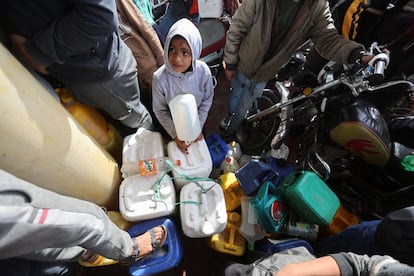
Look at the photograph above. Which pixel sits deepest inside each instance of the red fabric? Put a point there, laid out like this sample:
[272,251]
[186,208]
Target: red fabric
[194,8]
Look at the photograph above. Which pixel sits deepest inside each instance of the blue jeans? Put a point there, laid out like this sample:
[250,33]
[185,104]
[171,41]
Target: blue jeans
[243,94]
[175,11]
[358,238]
[21,267]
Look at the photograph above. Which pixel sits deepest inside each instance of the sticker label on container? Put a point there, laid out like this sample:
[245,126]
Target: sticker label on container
[147,166]
[278,212]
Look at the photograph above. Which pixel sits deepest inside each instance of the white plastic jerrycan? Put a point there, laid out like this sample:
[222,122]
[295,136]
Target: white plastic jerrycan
[184,113]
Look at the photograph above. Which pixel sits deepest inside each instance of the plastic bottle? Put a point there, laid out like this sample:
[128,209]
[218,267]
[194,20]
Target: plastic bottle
[250,227]
[300,229]
[229,164]
[234,150]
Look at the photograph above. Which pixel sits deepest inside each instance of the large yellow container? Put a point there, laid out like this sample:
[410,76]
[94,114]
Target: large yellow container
[42,143]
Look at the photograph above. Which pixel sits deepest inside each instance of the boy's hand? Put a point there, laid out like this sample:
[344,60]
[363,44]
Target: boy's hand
[199,138]
[182,145]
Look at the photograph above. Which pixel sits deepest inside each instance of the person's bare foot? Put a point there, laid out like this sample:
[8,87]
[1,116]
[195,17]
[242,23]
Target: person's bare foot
[145,242]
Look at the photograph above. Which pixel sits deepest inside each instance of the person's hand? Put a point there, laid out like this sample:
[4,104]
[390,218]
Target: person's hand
[17,48]
[367,58]
[182,145]
[229,74]
[199,138]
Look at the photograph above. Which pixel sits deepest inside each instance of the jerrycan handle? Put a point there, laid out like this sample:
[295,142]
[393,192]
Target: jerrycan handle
[267,174]
[290,179]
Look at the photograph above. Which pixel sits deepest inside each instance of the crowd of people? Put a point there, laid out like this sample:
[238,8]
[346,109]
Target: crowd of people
[85,46]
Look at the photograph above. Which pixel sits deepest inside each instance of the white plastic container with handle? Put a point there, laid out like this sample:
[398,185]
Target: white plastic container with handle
[184,113]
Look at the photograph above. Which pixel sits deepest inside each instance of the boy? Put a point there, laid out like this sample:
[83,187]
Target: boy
[182,73]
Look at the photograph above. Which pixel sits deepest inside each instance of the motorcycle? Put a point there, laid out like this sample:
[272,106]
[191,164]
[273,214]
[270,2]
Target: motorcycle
[342,135]
[389,22]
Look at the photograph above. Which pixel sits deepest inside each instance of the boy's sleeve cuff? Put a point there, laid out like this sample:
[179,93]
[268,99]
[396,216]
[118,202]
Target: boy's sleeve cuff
[228,66]
[355,56]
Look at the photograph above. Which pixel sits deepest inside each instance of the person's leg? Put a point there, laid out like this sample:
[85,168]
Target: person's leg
[236,89]
[119,96]
[238,84]
[359,238]
[242,97]
[163,26]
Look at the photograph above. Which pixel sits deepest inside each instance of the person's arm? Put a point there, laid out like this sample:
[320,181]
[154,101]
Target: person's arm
[39,224]
[324,266]
[33,219]
[16,45]
[76,32]
[347,264]
[329,43]
[240,26]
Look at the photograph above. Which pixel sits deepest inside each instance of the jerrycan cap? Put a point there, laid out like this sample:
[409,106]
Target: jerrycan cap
[408,163]
[207,228]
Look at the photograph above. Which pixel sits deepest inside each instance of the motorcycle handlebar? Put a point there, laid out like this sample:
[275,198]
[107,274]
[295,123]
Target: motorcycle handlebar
[377,64]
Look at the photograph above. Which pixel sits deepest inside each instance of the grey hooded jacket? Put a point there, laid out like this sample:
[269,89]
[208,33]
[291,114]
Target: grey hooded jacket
[167,83]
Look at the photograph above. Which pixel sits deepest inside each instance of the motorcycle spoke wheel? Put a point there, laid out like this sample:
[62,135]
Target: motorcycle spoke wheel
[255,137]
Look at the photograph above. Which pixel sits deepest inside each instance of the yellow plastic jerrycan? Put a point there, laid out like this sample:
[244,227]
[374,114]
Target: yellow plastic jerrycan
[93,122]
[232,190]
[230,241]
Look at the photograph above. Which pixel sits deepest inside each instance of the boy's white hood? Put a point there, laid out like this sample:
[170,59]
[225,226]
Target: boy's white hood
[185,28]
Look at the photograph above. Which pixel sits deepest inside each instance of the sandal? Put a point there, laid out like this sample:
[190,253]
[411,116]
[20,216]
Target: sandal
[90,259]
[156,245]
